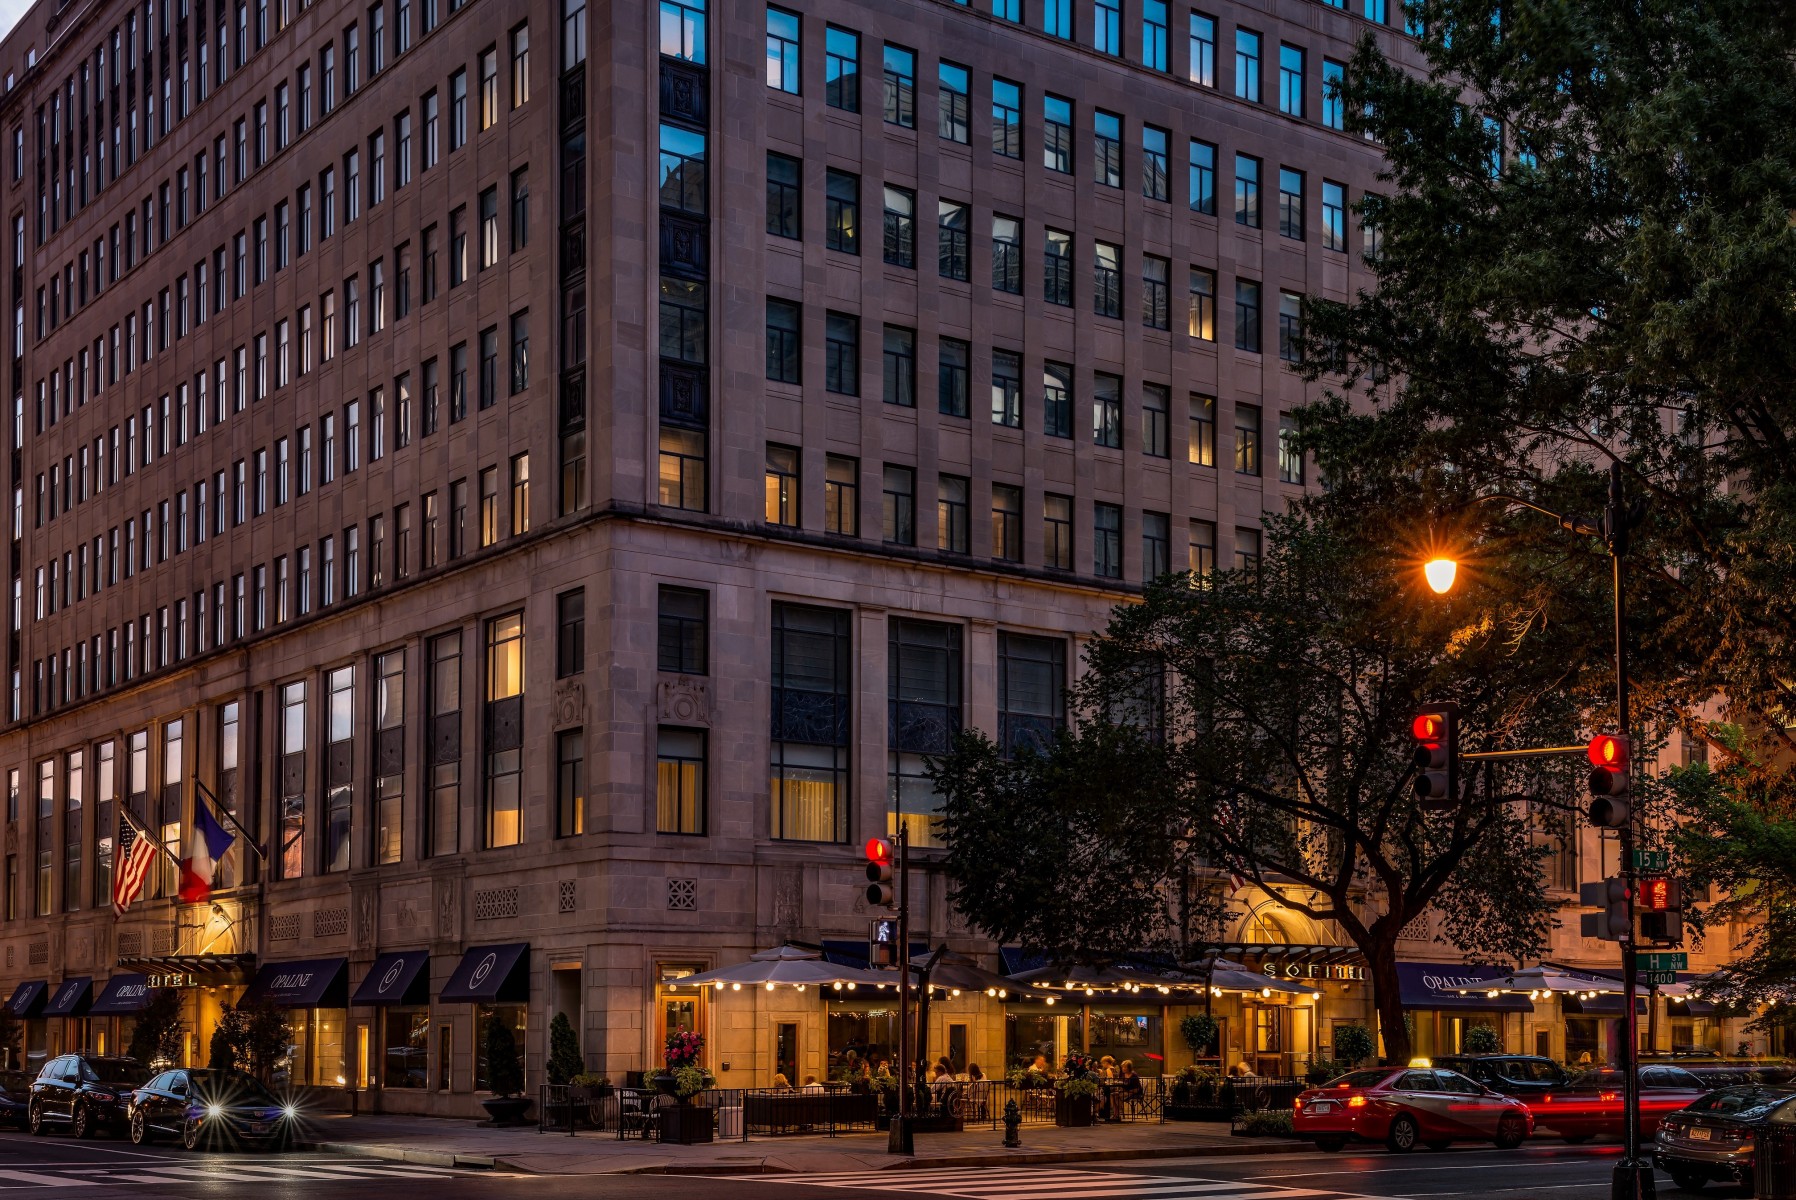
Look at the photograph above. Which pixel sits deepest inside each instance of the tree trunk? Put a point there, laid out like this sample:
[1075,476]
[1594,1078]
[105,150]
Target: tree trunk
[1381,965]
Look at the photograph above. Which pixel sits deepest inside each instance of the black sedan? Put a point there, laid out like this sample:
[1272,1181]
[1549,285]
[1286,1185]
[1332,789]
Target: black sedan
[210,1108]
[15,1097]
[1713,1138]
[84,1093]
[1524,1076]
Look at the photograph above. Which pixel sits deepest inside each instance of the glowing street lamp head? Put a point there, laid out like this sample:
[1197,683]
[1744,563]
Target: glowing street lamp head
[1440,573]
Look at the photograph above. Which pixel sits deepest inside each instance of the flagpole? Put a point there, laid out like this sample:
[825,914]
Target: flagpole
[131,820]
[226,813]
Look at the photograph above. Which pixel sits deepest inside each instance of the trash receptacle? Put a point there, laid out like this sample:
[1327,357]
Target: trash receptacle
[1774,1162]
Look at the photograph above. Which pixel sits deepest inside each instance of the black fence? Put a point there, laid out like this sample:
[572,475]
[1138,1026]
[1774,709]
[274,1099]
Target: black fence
[729,1114]
[1225,1099]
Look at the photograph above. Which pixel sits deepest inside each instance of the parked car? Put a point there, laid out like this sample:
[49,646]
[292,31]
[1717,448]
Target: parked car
[1732,1072]
[1713,1137]
[1523,1076]
[15,1097]
[1403,1106]
[82,1092]
[1591,1105]
[210,1108]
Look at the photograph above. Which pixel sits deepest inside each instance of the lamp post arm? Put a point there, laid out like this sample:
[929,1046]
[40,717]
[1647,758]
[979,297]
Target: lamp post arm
[1582,525]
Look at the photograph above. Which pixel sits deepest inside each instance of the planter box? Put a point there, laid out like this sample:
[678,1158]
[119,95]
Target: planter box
[1073,1112]
[688,1124]
[506,1111]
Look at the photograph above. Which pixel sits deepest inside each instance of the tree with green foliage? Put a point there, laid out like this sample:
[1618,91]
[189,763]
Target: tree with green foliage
[565,1060]
[1257,723]
[250,1038]
[156,1038]
[504,1069]
[1585,254]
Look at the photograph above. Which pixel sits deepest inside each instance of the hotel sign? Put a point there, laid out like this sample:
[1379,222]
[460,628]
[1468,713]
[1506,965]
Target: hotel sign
[1313,970]
[171,979]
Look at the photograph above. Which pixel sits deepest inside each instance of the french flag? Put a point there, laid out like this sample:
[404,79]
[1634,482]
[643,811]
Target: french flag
[209,843]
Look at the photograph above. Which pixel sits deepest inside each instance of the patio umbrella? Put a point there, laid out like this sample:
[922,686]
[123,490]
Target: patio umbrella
[1110,977]
[962,973]
[786,966]
[1548,981]
[1233,977]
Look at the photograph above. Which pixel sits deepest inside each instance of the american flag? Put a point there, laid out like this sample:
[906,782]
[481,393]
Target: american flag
[136,851]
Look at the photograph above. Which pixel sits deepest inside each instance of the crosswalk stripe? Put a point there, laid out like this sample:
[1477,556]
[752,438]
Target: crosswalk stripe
[1024,1183]
[29,1179]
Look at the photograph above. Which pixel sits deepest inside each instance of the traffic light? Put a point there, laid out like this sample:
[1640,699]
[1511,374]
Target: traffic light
[1661,903]
[1610,895]
[882,942]
[881,893]
[1436,731]
[1608,754]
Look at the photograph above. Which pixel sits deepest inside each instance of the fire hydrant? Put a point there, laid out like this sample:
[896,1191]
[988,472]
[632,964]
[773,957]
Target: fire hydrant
[1013,1121]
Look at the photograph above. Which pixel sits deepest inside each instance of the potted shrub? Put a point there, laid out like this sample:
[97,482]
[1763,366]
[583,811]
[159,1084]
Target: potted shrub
[1321,1070]
[884,1087]
[504,1075]
[1353,1045]
[1194,1095]
[1199,1033]
[1076,1097]
[684,1122]
[1482,1039]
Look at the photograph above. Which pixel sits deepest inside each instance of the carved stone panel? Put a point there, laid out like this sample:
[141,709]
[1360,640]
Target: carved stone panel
[570,703]
[685,700]
[788,898]
[447,908]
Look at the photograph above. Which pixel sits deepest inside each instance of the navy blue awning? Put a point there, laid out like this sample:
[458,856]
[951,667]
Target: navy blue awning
[121,995]
[308,983]
[71,997]
[1437,985]
[399,977]
[489,974]
[1014,960]
[854,954]
[1599,1006]
[27,999]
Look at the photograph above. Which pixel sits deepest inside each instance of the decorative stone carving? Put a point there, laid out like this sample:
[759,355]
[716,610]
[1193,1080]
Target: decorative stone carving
[788,898]
[685,700]
[570,702]
[364,919]
[446,898]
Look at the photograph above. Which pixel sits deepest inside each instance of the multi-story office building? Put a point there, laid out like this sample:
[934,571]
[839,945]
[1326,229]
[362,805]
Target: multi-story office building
[492,449]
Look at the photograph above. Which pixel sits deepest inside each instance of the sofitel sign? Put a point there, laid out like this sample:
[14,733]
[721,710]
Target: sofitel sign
[1307,970]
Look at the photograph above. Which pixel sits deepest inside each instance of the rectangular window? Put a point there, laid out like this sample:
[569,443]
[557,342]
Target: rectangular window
[1007,389]
[520,352]
[1106,410]
[898,504]
[782,485]
[1247,439]
[923,689]
[520,494]
[953,516]
[783,208]
[1057,267]
[1156,546]
[1290,79]
[1290,204]
[1247,191]
[900,364]
[679,780]
[1334,215]
[1156,292]
[842,204]
[570,633]
[1202,182]
[1290,458]
[1106,30]
[683,30]
[1106,141]
[1201,448]
[1057,134]
[1007,255]
[443,749]
[1334,109]
[1106,277]
[1155,428]
[1031,692]
[954,104]
[489,87]
[1007,118]
[842,69]
[1247,315]
[570,783]
[1057,531]
[1290,327]
[1202,46]
[1155,175]
[808,771]
[954,359]
[953,240]
[900,227]
[842,354]
[1247,65]
[682,475]
[1106,539]
[900,78]
[1007,522]
[1202,549]
[682,633]
[489,505]
[1201,315]
[782,50]
[1247,550]
[503,799]
[1057,399]
[841,495]
[783,341]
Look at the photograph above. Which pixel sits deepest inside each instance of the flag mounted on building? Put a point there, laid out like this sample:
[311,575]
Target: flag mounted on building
[207,843]
[136,851]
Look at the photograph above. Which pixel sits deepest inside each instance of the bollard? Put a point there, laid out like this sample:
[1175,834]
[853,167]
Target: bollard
[1013,1121]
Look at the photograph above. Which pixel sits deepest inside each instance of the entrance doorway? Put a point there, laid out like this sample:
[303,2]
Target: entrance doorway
[785,1051]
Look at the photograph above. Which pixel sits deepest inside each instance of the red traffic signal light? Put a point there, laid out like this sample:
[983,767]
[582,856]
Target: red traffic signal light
[1608,750]
[1659,893]
[881,890]
[878,850]
[1427,727]
[1437,756]
[1609,808]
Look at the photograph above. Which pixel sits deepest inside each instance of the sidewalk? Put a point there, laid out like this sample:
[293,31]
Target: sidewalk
[463,1143]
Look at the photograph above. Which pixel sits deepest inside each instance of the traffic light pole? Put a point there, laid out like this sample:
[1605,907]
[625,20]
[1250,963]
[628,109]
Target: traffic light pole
[1633,1178]
[900,1139]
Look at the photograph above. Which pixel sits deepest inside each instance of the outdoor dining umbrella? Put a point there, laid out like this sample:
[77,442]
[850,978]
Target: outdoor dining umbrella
[785,966]
[955,972]
[1108,977]
[1548,981]
[1228,976]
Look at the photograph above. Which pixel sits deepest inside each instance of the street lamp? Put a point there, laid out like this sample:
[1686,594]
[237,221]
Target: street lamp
[1633,1177]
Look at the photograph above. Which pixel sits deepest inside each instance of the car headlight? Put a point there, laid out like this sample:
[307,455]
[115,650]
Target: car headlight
[213,1110]
[290,1111]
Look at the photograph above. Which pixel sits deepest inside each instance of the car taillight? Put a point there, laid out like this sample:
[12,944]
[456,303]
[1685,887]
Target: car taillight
[1606,1095]
[1356,1102]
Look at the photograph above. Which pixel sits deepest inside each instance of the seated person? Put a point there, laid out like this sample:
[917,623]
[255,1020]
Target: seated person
[1128,1081]
[811,1084]
[781,1083]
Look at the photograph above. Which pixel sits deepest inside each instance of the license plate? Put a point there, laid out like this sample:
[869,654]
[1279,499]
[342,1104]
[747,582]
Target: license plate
[1699,1134]
[1323,1106]
[258,1126]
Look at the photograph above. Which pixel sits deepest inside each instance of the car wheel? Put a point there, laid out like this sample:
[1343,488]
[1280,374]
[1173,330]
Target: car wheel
[36,1121]
[1511,1131]
[84,1121]
[1401,1138]
[140,1129]
[190,1135]
[1330,1145]
[1437,1143]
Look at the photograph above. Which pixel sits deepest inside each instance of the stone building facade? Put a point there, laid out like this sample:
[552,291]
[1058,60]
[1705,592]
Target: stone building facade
[551,472]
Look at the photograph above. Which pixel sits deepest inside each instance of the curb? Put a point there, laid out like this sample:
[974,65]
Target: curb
[429,1158]
[1041,1158]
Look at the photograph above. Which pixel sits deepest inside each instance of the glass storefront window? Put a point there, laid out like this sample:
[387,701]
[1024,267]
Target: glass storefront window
[407,1048]
[870,1032]
[1134,1036]
[513,1016]
[1027,1034]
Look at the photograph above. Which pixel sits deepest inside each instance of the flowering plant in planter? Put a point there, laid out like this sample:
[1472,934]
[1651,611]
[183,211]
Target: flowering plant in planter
[1080,1077]
[682,1050]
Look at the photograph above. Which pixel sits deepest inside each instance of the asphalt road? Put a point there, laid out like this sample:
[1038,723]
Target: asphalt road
[113,1167]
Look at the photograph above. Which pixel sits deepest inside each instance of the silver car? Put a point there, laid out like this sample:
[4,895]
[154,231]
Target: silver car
[1713,1137]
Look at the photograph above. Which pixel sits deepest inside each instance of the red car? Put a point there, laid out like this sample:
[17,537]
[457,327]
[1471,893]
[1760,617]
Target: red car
[1591,1106]
[1401,1106]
